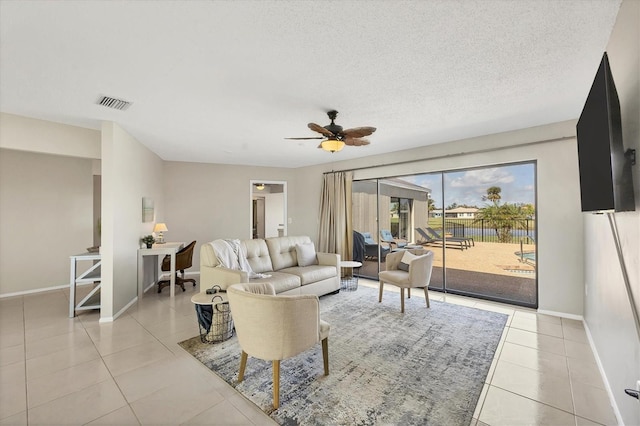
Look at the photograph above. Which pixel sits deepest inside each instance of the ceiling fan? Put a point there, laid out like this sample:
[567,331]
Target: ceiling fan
[336,137]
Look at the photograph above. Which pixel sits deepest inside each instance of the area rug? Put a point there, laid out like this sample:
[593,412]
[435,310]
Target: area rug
[423,367]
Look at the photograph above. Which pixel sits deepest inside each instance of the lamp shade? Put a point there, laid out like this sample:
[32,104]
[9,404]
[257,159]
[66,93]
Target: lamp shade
[160,227]
[332,145]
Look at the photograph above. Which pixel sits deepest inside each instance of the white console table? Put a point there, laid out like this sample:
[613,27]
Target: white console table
[160,251]
[91,275]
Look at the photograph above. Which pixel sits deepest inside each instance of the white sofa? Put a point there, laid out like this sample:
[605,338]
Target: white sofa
[276,257]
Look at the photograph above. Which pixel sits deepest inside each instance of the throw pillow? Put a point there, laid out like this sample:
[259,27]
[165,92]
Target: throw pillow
[406,260]
[408,257]
[306,254]
[403,266]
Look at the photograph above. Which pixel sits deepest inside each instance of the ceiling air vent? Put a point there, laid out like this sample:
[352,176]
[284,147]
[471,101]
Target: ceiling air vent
[114,103]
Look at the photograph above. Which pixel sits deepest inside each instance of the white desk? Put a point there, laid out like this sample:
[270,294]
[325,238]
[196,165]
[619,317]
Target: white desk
[159,250]
[91,275]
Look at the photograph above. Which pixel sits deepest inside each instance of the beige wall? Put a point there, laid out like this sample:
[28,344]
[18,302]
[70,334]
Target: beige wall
[560,240]
[45,216]
[43,200]
[210,201]
[46,137]
[607,308]
[130,171]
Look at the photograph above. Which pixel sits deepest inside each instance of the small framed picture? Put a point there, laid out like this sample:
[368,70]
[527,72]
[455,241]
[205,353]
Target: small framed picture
[147,209]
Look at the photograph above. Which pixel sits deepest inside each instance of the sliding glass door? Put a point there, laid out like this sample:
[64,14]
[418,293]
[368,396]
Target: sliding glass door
[480,224]
[490,221]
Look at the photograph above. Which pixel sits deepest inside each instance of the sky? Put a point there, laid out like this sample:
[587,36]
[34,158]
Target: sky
[467,187]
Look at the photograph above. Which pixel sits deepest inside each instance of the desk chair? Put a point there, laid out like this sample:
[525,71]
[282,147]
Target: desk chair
[184,260]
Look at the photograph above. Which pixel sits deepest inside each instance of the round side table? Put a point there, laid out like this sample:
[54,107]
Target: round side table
[349,282]
[214,316]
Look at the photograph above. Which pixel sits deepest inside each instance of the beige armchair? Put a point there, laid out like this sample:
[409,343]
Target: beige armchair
[418,275]
[274,328]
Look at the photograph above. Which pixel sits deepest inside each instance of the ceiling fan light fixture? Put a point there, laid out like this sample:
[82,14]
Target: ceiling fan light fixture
[332,145]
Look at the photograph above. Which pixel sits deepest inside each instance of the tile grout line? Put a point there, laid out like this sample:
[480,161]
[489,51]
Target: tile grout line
[115,382]
[534,400]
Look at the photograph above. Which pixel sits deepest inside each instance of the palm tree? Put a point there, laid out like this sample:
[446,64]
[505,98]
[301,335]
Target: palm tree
[431,205]
[501,217]
[493,194]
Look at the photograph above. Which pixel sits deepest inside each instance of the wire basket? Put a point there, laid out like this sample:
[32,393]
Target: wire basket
[349,283]
[215,321]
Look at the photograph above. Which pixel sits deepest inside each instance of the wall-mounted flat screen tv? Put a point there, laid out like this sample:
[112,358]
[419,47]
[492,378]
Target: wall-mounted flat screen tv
[606,183]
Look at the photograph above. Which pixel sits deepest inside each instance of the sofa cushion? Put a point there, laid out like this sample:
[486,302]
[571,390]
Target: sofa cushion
[311,274]
[280,281]
[283,251]
[306,254]
[257,255]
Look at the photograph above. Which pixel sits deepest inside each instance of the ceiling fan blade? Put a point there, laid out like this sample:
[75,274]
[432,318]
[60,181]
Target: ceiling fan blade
[303,139]
[318,128]
[358,132]
[356,142]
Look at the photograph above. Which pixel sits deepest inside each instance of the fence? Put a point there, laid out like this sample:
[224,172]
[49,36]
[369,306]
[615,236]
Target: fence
[479,229]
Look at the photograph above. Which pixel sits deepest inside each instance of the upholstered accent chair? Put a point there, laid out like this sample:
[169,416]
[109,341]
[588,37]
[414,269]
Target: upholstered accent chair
[274,328]
[184,260]
[408,269]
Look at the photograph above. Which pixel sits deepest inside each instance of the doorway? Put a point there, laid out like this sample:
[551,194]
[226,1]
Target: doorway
[268,209]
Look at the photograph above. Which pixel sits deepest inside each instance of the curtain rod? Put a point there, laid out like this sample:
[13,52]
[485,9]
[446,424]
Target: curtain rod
[457,154]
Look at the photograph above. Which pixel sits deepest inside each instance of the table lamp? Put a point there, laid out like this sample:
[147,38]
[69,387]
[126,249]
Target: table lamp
[160,228]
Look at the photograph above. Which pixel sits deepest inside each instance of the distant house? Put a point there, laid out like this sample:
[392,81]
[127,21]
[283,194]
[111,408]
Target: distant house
[457,213]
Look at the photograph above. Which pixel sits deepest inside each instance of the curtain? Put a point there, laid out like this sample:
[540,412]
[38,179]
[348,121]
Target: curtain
[336,235]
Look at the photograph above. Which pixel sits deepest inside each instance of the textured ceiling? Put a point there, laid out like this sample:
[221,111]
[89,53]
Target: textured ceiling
[226,82]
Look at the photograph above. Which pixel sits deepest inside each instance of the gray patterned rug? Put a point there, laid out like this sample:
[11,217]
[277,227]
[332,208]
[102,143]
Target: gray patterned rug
[424,367]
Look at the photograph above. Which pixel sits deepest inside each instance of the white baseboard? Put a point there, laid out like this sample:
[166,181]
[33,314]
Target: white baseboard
[607,387]
[40,290]
[60,287]
[120,312]
[612,400]
[561,314]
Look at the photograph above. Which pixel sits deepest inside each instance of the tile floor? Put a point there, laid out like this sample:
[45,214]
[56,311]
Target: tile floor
[57,370]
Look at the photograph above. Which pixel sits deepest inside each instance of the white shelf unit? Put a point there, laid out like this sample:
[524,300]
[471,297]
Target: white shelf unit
[91,275]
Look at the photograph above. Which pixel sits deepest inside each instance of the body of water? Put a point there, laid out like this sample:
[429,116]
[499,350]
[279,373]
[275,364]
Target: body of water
[529,255]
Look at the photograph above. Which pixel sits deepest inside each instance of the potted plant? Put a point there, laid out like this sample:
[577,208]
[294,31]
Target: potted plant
[148,240]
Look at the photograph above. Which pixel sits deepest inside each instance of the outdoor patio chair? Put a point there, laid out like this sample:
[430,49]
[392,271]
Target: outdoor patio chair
[371,247]
[428,238]
[424,237]
[387,237]
[408,269]
[358,247]
[467,240]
